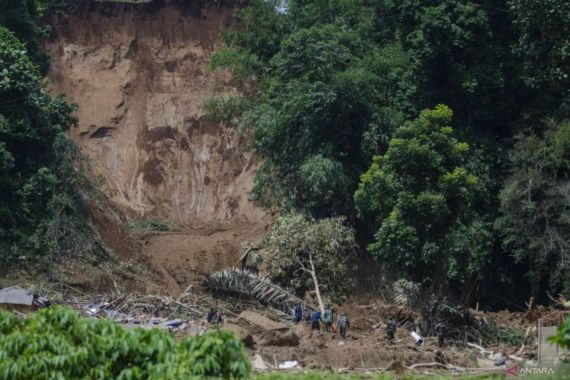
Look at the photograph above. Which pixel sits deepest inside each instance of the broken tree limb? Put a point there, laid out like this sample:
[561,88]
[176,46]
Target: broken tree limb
[482,350]
[435,364]
[313,273]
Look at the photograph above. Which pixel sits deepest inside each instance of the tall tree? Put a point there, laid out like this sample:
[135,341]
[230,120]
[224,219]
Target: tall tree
[535,208]
[416,193]
[455,57]
[22,17]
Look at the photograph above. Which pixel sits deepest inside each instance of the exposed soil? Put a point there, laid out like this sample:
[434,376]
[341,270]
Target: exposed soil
[138,77]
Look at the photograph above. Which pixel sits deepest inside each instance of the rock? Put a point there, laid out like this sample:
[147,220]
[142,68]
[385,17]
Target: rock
[258,363]
[279,337]
[256,323]
[241,333]
[270,333]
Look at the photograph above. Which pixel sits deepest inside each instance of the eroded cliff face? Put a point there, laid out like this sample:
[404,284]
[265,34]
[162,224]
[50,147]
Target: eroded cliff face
[137,74]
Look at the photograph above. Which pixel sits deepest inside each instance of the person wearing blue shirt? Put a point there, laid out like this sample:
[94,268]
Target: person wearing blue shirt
[298,314]
[315,321]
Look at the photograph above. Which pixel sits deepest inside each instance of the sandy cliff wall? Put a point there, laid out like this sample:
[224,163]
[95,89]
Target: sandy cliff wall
[137,74]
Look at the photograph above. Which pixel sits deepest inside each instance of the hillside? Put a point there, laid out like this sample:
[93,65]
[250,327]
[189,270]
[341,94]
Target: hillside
[138,77]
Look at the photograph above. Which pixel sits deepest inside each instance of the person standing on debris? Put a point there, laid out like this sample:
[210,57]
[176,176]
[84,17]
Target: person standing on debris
[329,319]
[297,314]
[315,321]
[440,330]
[343,325]
[391,329]
[255,262]
[211,315]
[218,318]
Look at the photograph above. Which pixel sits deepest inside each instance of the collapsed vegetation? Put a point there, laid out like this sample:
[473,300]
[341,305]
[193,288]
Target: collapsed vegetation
[137,344]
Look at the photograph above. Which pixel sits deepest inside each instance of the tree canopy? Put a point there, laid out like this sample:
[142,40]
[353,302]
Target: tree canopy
[344,100]
[330,85]
[419,194]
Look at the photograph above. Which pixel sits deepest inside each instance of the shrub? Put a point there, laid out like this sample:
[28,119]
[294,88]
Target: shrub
[56,343]
[225,109]
[562,337]
[150,224]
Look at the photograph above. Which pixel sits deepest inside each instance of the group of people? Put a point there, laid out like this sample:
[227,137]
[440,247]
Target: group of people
[440,331]
[342,323]
[316,319]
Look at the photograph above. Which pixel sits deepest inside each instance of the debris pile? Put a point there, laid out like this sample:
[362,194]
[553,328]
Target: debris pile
[276,343]
[20,300]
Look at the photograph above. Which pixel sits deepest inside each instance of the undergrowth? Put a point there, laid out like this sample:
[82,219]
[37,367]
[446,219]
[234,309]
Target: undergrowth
[151,224]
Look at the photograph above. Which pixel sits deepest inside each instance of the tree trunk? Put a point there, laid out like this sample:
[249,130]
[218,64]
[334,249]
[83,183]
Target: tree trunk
[316,282]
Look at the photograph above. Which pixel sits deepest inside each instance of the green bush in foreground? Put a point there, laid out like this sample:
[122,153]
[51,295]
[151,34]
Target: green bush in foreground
[56,343]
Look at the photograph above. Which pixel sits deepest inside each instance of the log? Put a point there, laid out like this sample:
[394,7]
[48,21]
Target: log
[435,364]
[479,348]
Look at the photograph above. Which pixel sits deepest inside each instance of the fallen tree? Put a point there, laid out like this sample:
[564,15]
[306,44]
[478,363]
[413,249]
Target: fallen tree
[239,283]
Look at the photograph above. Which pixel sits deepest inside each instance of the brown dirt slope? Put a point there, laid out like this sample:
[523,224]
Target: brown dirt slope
[137,74]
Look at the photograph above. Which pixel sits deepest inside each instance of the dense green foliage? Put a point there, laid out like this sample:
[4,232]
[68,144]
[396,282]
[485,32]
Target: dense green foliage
[330,87]
[543,44]
[22,18]
[56,343]
[535,206]
[419,194]
[295,241]
[39,176]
